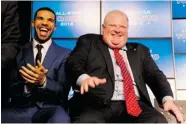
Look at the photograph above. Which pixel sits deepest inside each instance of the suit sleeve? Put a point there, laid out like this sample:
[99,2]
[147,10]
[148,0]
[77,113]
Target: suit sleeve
[60,86]
[155,78]
[76,63]
[17,85]
[10,34]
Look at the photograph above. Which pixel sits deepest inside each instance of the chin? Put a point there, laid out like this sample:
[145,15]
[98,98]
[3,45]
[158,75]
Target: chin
[113,46]
[43,38]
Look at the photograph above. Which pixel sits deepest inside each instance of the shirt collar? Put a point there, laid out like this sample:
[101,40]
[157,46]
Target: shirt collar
[45,45]
[124,48]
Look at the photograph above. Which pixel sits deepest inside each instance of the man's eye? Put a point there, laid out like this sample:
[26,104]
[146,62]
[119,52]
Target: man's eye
[51,20]
[112,26]
[39,18]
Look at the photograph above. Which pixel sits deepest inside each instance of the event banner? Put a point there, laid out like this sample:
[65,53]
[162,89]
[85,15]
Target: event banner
[73,18]
[180,65]
[178,9]
[161,52]
[179,35]
[146,18]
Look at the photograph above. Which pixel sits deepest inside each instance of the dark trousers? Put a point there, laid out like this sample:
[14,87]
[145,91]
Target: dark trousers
[115,112]
[34,114]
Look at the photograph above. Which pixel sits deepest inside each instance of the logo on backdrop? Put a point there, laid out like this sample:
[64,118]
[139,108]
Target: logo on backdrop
[181,3]
[154,55]
[142,17]
[67,18]
[181,35]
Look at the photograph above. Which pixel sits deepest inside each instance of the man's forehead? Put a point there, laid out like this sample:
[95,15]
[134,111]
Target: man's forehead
[116,15]
[45,12]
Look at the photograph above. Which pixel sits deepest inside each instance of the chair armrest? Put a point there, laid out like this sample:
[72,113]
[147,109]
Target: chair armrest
[169,116]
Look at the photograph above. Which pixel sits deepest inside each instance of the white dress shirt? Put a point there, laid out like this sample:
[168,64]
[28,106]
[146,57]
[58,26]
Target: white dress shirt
[44,50]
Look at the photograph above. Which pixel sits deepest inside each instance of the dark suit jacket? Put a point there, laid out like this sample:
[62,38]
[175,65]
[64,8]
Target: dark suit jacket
[91,56]
[10,34]
[57,86]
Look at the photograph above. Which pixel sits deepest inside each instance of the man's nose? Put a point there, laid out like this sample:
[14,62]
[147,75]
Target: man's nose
[117,29]
[44,22]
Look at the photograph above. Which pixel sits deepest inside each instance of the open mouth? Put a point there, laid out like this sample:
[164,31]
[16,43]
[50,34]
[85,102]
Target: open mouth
[43,31]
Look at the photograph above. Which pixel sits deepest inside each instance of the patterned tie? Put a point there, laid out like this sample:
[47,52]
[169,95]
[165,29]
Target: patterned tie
[132,105]
[39,54]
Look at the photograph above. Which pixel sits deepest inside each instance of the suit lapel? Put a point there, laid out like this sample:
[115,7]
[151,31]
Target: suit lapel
[104,50]
[132,58]
[28,54]
[50,56]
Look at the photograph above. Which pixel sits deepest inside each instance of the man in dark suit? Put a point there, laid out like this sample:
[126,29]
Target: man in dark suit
[10,35]
[109,78]
[41,93]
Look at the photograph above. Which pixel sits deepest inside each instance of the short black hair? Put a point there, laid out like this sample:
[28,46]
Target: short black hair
[47,9]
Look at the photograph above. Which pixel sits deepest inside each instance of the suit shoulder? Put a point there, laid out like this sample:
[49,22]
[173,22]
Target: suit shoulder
[90,36]
[138,46]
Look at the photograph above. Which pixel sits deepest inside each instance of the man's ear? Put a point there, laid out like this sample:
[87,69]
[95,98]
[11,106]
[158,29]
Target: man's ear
[103,26]
[32,24]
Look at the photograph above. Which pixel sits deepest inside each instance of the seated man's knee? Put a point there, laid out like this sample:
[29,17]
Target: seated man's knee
[88,119]
[158,118]
[151,117]
[60,116]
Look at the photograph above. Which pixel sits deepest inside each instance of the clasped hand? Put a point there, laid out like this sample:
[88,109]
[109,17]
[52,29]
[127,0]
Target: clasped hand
[35,74]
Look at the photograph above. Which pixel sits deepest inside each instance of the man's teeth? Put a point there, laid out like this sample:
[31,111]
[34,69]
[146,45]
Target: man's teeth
[43,29]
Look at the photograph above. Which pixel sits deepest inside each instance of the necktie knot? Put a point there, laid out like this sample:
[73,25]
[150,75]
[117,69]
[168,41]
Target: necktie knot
[118,56]
[39,47]
[39,54]
[116,50]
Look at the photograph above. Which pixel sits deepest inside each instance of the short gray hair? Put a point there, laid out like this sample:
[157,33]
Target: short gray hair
[112,12]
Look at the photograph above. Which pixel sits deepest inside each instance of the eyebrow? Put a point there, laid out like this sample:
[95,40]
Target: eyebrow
[51,19]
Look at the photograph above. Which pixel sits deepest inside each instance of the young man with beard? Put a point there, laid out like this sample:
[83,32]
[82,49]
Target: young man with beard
[41,91]
[111,76]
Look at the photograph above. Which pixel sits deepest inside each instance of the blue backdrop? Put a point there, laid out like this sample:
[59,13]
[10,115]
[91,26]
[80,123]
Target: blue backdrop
[146,19]
[73,18]
[161,52]
[178,9]
[179,35]
[180,63]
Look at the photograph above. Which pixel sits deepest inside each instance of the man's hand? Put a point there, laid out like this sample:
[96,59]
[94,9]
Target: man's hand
[91,82]
[169,105]
[34,74]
